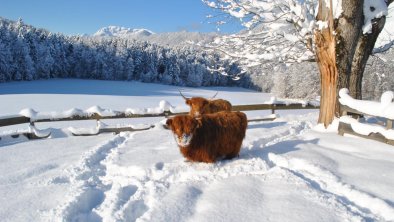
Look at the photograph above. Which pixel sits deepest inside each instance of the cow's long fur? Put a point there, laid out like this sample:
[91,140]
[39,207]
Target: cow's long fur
[200,106]
[210,137]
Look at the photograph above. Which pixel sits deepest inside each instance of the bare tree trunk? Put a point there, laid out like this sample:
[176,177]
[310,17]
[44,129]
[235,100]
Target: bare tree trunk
[364,49]
[325,53]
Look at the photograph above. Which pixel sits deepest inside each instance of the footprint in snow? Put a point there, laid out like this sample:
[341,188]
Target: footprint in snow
[125,194]
[159,166]
[60,180]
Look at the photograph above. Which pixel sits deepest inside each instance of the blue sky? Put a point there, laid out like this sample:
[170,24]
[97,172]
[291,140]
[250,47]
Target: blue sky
[87,16]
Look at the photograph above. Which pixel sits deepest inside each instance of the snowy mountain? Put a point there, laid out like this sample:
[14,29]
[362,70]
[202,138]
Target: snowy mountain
[167,38]
[116,31]
[182,37]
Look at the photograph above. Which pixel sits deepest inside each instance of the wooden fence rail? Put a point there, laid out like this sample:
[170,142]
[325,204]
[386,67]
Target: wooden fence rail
[347,128]
[32,132]
[7,121]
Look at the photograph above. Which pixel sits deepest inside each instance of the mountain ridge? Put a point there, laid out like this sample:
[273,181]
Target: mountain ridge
[165,38]
[118,31]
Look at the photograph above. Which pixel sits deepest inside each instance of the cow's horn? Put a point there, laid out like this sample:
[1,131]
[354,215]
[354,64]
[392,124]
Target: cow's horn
[215,95]
[182,95]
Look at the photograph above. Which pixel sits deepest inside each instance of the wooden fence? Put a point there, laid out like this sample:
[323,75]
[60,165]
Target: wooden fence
[347,128]
[14,120]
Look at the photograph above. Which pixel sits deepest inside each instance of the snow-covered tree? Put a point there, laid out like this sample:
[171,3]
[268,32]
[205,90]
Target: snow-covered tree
[195,75]
[340,35]
[5,61]
[343,46]
[28,53]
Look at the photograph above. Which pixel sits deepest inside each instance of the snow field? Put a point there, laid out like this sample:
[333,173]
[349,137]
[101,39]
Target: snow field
[125,180]
[288,170]
[144,189]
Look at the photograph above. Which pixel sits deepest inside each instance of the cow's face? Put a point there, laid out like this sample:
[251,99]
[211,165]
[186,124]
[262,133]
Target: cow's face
[198,106]
[183,128]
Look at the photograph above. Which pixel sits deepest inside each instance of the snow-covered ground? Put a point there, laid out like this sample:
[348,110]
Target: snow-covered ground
[288,169]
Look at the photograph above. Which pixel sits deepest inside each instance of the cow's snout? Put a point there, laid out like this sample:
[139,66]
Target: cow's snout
[184,139]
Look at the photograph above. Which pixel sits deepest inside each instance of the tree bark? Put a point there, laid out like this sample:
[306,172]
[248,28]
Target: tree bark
[325,55]
[364,49]
[348,31]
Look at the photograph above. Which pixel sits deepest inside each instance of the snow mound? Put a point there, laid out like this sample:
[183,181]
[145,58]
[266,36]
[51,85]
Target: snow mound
[28,112]
[162,107]
[385,108]
[102,112]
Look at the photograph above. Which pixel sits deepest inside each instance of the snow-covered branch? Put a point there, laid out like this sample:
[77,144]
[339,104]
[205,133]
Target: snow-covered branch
[384,48]
[279,31]
[275,30]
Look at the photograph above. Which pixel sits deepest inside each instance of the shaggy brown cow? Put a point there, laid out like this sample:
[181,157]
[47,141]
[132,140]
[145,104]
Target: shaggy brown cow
[210,137]
[200,106]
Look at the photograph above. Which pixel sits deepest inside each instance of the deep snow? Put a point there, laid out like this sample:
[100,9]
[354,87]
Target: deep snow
[288,169]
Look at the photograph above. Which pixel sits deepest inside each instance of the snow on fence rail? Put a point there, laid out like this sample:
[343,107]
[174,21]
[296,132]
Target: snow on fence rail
[383,109]
[20,119]
[96,113]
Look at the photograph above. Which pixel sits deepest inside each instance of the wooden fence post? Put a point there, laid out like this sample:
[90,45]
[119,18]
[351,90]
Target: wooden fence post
[389,124]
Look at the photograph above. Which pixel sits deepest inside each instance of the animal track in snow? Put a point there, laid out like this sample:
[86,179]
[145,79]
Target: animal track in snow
[161,181]
[159,165]
[86,188]
[281,132]
[363,203]
[104,189]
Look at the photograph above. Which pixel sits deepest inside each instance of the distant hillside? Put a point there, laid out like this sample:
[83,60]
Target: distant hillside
[169,38]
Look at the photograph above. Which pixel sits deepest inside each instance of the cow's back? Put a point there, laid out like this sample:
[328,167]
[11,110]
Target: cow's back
[218,105]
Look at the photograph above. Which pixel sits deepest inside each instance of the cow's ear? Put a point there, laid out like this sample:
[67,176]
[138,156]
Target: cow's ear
[188,102]
[169,123]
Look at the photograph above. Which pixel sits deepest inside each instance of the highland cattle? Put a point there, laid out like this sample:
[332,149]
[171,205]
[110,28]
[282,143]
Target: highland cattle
[200,106]
[209,137]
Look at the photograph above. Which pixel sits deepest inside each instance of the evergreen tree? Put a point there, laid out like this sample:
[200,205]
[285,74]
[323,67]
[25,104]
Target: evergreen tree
[29,53]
